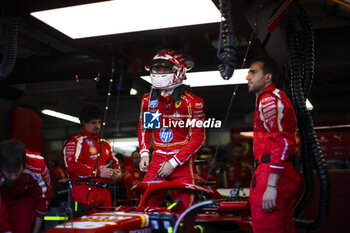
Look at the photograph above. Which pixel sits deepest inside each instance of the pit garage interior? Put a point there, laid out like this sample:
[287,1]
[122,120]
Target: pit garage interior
[53,71]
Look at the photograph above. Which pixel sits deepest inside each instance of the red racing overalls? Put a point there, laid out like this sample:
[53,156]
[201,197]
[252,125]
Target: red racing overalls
[274,145]
[28,197]
[175,141]
[80,154]
[131,177]
[238,174]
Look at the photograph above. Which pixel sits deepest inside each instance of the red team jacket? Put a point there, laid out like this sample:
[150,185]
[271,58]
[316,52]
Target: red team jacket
[274,128]
[80,154]
[180,142]
[34,181]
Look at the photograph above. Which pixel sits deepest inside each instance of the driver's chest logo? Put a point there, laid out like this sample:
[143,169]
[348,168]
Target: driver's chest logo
[166,134]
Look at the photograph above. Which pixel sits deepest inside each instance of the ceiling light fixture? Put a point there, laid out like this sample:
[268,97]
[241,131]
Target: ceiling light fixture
[124,145]
[60,115]
[133,91]
[211,78]
[123,16]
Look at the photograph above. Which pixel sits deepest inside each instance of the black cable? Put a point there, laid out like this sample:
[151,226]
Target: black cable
[226,47]
[9,29]
[309,51]
[257,24]
[305,123]
[296,74]
[103,126]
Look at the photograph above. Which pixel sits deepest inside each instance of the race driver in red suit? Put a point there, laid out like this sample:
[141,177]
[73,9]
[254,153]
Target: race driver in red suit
[25,188]
[80,155]
[275,182]
[171,104]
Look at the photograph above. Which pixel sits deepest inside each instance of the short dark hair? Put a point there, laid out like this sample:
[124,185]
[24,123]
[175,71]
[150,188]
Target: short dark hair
[89,112]
[12,155]
[135,151]
[269,66]
[238,144]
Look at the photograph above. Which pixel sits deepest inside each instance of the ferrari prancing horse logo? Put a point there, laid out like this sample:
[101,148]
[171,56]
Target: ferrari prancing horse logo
[177,103]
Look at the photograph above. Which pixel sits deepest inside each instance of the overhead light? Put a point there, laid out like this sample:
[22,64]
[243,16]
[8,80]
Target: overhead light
[332,127]
[247,134]
[124,145]
[123,16]
[210,78]
[133,91]
[61,115]
[309,106]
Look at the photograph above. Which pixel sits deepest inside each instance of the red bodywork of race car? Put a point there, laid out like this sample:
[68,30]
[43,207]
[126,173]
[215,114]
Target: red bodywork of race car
[227,216]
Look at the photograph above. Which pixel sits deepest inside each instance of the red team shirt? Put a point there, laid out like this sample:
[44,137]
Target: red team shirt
[131,177]
[80,154]
[274,135]
[33,182]
[238,174]
[274,128]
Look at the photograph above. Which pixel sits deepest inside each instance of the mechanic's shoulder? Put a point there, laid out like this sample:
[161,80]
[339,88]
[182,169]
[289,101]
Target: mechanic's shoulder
[106,140]
[267,96]
[34,161]
[146,96]
[79,137]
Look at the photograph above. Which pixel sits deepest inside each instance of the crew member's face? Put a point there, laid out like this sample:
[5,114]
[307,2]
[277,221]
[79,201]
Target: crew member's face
[237,153]
[135,159]
[12,176]
[93,126]
[257,80]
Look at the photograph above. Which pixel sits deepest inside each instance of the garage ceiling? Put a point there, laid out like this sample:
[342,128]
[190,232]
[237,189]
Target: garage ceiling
[48,62]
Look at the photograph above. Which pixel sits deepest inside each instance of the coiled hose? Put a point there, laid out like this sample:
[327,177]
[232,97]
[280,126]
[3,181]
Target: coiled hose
[226,48]
[307,70]
[309,51]
[301,80]
[10,34]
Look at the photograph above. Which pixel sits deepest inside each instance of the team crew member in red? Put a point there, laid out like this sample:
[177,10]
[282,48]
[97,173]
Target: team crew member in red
[202,169]
[165,112]
[80,154]
[25,188]
[132,174]
[275,182]
[237,173]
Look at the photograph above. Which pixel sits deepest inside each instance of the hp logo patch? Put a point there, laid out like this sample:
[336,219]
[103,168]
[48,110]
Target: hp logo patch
[151,120]
[233,192]
[166,134]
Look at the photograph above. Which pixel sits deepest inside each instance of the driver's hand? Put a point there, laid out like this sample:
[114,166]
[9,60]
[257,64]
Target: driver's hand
[165,170]
[144,163]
